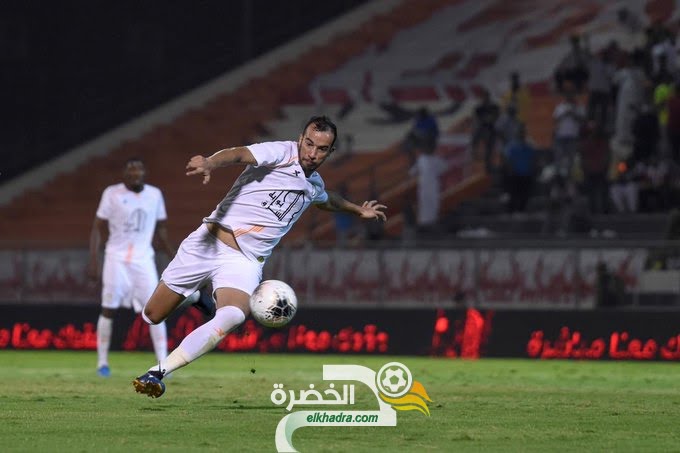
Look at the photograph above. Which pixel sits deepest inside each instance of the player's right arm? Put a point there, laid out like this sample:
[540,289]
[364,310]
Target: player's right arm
[201,165]
[98,236]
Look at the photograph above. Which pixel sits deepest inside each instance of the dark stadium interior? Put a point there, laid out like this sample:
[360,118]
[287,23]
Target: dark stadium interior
[76,69]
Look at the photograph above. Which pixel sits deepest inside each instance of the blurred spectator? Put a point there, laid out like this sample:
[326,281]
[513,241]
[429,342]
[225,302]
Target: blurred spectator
[654,34]
[547,172]
[630,81]
[623,189]
[595,163]
[517,97]
[568,117]
[662,74]
[645,132]
[663,91]
[424,134]
[508,126]
[428,169]
[574,67]
[663,53]
[484,129]
[652,186]
[600,73]
[520,160]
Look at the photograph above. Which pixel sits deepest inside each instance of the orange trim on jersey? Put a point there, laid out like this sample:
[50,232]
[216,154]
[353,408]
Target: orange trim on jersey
[128,256]
[255,228]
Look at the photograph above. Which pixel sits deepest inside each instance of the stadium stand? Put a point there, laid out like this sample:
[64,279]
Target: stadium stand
[461,47]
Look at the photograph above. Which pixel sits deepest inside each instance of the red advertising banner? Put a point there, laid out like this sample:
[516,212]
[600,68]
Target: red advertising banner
[463,333]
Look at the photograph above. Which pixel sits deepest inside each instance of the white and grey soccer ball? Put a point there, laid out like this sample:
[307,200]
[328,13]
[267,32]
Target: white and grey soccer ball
[273,303]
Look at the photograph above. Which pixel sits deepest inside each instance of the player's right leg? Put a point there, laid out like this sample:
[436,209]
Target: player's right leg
[235,277]
[163,301]
[191,267]
[145,282]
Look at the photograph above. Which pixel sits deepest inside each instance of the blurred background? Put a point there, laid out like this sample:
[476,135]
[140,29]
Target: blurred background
[528,151]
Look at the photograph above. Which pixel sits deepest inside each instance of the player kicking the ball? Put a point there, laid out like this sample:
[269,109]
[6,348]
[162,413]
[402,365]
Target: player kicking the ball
[230,247]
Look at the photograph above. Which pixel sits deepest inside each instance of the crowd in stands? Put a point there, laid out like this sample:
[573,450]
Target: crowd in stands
[615,144]
[616,132]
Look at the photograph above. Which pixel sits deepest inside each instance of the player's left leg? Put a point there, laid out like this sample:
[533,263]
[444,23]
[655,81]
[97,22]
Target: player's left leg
[104,331]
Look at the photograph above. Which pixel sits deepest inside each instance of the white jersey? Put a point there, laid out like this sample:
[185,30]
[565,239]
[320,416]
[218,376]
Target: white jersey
[429,169]
[268,198]
[132,220]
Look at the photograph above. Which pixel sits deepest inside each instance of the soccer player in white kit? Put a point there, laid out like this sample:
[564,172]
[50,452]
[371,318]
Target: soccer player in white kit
[230,247]
[129,215]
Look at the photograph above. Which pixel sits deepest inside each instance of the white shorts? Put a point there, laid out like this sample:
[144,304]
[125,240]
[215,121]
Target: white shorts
[128,285]
[203,258]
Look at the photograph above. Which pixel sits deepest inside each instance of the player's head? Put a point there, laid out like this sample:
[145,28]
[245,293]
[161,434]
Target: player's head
[133,174]
[316,143]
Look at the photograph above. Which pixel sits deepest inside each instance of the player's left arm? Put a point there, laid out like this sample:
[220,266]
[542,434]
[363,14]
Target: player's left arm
[161,239]
[368,210]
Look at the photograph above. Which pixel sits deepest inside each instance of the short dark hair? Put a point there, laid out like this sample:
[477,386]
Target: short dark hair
[322,124]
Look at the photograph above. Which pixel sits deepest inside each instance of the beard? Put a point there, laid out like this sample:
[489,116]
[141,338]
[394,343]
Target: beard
[135,186]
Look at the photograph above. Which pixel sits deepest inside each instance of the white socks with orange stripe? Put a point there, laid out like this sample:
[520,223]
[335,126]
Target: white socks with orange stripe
[203,339]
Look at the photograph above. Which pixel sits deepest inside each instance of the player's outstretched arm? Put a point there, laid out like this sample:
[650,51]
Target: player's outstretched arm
[368,210]
[201,165]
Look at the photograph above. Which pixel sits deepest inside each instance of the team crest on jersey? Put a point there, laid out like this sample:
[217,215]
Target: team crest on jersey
[285,203]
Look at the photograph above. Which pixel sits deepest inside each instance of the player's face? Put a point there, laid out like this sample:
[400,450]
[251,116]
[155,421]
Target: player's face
[314,148]
[133,176]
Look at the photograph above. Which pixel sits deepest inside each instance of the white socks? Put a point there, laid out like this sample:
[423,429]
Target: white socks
[158,332]
[203,339]
[159,339]
[104,328]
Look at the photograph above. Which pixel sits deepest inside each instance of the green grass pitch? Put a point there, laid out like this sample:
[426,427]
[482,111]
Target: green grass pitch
[53,401]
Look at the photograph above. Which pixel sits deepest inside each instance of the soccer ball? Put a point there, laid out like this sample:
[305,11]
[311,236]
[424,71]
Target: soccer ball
[273,303]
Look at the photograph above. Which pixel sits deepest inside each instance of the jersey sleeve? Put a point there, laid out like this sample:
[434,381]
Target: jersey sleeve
[104,208]
[320,195]
[272,154]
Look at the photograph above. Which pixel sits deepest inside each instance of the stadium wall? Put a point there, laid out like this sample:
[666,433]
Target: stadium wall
[459,333]
[560,275]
